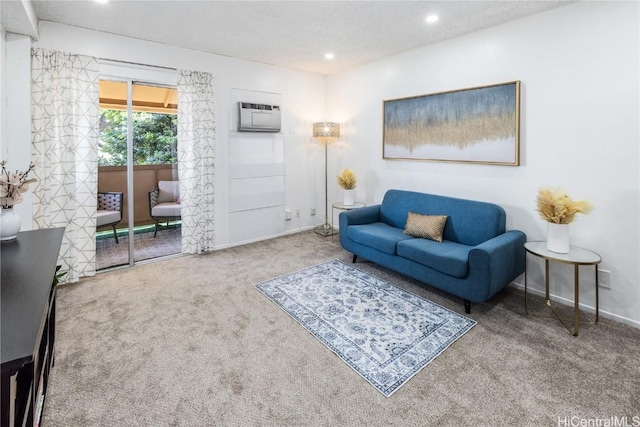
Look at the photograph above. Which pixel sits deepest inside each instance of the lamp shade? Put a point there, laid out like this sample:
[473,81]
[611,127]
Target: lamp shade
[326,132]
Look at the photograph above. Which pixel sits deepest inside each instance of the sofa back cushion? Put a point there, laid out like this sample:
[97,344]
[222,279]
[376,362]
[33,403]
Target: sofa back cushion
[469,222]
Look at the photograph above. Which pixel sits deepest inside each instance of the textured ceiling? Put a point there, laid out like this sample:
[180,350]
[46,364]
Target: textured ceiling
[292,34]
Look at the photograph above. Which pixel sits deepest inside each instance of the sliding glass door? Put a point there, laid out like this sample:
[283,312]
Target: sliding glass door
[137,173]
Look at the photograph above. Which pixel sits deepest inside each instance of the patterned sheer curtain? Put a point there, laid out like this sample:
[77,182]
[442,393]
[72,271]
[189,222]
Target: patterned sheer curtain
[65,114]
[196,159]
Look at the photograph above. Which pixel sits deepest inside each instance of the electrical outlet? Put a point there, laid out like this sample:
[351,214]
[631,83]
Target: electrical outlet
[297,213]
[313,211]
[604,279]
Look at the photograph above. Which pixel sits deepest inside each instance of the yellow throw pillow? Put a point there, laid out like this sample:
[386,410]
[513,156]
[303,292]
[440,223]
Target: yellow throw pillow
[425,226]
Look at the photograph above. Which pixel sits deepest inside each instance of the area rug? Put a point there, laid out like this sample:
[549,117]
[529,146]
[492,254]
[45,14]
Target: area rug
[384,333]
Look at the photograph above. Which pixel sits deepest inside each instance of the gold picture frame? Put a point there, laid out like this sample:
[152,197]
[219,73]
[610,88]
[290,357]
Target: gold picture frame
[472,125]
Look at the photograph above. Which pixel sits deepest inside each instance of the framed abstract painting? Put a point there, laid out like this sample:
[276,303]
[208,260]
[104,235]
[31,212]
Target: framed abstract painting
[473,125]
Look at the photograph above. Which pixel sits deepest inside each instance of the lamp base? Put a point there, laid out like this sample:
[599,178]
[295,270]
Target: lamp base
[326,230]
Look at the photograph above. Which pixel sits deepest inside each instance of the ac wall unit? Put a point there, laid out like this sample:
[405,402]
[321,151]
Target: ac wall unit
[258,117]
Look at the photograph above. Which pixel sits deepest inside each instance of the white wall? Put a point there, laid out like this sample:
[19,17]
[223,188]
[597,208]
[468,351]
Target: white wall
[303,102]
[579,67]
[16,129]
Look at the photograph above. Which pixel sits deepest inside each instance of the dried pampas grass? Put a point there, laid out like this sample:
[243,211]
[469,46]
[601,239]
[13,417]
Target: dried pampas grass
[347,179]
[554,205]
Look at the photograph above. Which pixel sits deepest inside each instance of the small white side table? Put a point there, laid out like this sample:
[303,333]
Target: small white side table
[576,257]
[342,207]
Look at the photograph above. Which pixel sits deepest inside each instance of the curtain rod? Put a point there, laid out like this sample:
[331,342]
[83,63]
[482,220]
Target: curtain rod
[137,64]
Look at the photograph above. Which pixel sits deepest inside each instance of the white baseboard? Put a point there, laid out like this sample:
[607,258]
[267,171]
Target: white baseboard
[585,307]
[260,239]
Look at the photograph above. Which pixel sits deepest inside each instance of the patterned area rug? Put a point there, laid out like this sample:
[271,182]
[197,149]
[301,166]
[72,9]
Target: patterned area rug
[384,333]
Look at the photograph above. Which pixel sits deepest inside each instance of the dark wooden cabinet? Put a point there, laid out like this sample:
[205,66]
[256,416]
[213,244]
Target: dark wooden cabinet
[28,304]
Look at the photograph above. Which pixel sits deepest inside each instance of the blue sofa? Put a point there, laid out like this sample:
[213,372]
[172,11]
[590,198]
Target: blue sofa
[475,260]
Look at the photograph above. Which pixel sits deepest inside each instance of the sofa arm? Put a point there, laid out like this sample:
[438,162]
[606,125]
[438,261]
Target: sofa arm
[501,259]
[365,215]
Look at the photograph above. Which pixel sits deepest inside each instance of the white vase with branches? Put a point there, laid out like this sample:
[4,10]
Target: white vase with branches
[12,185]
[347,180]
[559,210]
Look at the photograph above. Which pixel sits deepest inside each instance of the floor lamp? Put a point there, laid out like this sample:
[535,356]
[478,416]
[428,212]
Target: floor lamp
[326,133]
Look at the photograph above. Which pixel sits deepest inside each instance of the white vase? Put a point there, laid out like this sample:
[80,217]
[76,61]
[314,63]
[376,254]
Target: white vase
[558,239]
[9,224]
[347,199]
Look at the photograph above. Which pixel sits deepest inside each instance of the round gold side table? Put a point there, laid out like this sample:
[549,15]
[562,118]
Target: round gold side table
[576,256]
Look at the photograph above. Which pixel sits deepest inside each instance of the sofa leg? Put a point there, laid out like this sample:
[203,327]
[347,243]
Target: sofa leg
[355,257]
[467,306]
[156,230]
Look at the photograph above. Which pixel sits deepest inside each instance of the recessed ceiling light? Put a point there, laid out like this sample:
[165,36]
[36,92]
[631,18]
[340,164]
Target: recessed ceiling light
[432,18]
[329,55]
[101,1]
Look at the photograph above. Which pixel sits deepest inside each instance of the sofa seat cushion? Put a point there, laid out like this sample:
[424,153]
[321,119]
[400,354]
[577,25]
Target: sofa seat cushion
[446,257]
[104,217]
[166,209]
[377,235]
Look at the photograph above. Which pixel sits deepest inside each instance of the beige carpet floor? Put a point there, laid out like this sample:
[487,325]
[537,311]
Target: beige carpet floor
[190,342]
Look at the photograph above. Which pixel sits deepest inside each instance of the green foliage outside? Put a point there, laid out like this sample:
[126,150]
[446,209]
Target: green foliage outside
[154,138]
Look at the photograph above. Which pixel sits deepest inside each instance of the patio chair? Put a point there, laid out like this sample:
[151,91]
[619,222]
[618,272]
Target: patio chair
[109,210]
[164,203]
